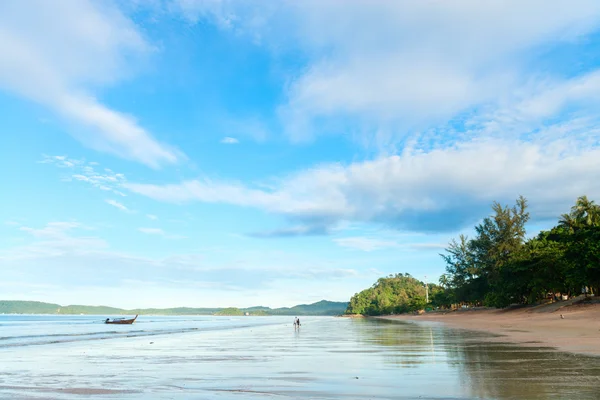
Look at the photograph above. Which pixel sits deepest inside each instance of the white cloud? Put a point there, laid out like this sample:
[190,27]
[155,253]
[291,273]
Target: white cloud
[52,229]
[81,171]
[56,239]
[57,53]
[229,140]
[61,161]
[390,68]
[160,232]
[118,205]
[60,259]
[152,217]
[443,189]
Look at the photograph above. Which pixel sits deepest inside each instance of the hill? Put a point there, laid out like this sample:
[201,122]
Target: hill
[35,307]
[322,307]
[395,294]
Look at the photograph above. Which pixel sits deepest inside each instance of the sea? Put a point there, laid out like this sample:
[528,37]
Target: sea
[206,357]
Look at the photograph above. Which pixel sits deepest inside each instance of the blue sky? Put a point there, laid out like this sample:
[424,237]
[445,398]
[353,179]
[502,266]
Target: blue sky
[228,153]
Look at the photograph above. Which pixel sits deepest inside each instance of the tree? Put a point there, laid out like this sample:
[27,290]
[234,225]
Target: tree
[476,265]
[394,294]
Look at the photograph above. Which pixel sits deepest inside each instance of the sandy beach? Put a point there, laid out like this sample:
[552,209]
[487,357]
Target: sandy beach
[577,332]
[223,358]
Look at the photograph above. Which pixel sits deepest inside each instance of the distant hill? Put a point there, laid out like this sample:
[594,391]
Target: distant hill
[35,307]
[28,307]
[322,307]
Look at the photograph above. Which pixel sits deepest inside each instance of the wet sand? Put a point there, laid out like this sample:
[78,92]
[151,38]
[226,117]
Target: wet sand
[578,332]
[264,357]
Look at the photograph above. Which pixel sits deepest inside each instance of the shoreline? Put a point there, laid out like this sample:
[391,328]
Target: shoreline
[578,332]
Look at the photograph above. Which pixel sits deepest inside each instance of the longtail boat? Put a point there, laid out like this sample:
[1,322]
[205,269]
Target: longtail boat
[121,321]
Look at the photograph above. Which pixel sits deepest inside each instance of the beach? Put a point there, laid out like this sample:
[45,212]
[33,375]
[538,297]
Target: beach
[577,332]
[70,357]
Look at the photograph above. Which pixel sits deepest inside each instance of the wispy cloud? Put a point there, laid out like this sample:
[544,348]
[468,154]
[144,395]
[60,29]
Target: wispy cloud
[61,161]
[152,217]
[118,205]
[57,61]
[439,190]
[160,232]
[87,172]
[58,256]
[229,140]
[456,87]
[56,239]
[396,68]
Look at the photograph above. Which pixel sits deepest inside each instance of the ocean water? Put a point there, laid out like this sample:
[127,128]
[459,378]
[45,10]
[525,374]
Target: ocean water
[73,357]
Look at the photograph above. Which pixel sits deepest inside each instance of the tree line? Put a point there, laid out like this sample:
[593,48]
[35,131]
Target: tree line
[500,266]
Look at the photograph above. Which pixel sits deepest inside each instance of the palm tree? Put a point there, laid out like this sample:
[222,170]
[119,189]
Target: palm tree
[584,213]
[568,221]
[444,282]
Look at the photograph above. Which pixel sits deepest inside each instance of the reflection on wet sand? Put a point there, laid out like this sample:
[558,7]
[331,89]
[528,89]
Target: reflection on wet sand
[329,358]
[490,370]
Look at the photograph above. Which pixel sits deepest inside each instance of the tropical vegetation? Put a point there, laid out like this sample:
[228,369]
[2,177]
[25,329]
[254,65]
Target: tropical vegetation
[391,295]
[500,266]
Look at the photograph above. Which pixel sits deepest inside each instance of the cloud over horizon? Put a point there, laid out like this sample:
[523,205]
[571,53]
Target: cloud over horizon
[87,262]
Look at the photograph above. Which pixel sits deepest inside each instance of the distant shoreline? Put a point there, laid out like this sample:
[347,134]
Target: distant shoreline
[578,332]
[323,308]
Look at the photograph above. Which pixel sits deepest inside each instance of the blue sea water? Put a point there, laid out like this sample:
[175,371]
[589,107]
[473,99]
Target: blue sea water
[189,357]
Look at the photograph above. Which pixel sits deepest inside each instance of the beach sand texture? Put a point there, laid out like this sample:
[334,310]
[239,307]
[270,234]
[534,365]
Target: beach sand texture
[577,332]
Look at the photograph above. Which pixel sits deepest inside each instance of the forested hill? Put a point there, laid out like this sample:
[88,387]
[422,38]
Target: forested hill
[35,307]
[322,307]
[394,294]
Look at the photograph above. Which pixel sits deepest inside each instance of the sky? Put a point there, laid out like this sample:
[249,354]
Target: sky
[238,153]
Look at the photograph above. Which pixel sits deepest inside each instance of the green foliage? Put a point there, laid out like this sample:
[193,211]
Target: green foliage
[322,307]
[258,313]
[499,267]
[230,311]
[441,296]
[394,294]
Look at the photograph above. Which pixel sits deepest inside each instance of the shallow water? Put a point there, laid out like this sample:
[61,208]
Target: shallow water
[70,357]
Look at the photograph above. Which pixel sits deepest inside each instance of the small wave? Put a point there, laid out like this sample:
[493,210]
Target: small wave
[30,340]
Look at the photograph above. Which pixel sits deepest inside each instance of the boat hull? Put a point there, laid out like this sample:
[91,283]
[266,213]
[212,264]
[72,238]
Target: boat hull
[121,321]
